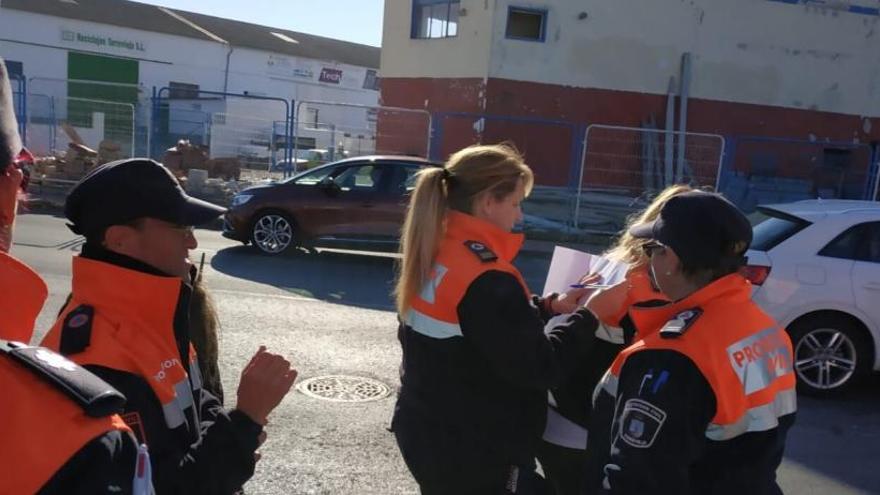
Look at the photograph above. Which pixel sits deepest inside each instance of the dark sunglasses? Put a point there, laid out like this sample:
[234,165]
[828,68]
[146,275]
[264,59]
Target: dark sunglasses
[653,247]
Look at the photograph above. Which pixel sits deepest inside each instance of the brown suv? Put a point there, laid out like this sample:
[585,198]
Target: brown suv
[357,203]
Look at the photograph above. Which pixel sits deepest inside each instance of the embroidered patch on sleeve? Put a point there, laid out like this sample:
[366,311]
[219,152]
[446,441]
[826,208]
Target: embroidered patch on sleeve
[640,423]
[133,420]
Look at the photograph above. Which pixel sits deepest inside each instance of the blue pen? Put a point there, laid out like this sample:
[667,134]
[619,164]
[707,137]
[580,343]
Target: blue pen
[589,286]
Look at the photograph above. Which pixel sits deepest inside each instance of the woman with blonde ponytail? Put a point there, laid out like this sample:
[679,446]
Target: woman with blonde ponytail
[477,363]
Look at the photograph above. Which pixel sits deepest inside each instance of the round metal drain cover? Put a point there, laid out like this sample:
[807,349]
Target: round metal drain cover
[341,388]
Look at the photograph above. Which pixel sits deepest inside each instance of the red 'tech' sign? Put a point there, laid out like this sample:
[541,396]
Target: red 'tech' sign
[333,76]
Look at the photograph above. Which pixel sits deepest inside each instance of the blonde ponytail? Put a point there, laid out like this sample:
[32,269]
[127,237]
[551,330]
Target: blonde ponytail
[421,234]
[497,169]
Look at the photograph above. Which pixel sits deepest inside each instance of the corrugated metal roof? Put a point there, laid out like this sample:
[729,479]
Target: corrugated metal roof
[307,45]
[134,15]
[114,12]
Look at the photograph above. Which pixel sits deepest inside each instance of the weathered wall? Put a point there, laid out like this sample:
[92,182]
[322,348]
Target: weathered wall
[766,52]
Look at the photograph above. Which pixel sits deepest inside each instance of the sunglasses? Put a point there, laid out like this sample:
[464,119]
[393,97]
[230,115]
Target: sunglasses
[653,247]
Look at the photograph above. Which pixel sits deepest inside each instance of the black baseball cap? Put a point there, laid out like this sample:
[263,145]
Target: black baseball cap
[122,191]
[701,227]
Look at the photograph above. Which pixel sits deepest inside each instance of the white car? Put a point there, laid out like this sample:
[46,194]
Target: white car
[815,266]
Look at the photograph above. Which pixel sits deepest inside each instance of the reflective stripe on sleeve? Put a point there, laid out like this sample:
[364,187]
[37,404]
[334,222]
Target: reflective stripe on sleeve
[758,418]
[431,327]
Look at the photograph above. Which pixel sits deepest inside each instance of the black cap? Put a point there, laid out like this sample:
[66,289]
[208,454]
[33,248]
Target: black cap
[119,192]
[10,142]
[701,227]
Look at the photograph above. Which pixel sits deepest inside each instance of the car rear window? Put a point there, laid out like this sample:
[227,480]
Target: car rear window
[770,228]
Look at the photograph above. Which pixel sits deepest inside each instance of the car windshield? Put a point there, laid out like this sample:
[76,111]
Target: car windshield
[770,228]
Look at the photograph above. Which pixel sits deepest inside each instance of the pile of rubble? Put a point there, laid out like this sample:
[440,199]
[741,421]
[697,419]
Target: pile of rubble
[184,157]
[77,160]
[212,179]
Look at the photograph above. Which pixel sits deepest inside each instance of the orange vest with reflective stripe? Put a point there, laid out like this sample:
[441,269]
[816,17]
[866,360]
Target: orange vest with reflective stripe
[433,312]
[22,294]
[40,428]
[639,289]
[133,331]
[745,356]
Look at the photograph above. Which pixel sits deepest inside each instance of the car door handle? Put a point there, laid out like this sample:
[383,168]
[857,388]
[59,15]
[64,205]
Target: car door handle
[872,286]
[367,205]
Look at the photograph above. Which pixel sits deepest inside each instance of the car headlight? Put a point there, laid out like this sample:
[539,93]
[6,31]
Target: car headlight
[240,199]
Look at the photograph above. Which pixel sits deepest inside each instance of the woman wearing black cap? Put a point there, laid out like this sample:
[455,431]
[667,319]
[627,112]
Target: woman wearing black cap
[703,402]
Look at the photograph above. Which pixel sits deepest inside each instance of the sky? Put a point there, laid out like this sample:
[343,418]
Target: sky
[359,21]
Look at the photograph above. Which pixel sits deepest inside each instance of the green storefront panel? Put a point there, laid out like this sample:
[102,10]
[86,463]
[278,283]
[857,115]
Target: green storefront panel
[84,99]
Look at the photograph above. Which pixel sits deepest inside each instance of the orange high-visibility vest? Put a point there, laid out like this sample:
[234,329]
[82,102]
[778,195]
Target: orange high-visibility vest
[22,294]
[41,429]
[133,331]
[636,287]
[741,351]
[470,247]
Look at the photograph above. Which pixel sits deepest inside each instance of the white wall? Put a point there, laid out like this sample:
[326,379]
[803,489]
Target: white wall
[465,55]
[753,51]
[165,58]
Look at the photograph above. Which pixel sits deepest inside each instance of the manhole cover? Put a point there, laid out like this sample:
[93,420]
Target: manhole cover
[342,388]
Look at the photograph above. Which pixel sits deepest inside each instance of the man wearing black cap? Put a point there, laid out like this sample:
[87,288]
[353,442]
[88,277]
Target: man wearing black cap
[128,322]
[702,404]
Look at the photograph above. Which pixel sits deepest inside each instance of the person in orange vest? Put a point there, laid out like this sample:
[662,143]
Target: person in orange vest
[564,448]
[58,422]
[127,321]
[703,401]
[476,361]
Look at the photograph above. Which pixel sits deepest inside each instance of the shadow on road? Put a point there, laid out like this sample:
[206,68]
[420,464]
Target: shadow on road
[343,278]
[354,279]
[839,436]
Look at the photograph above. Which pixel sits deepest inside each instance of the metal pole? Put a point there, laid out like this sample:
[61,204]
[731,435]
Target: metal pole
[577,199]
[682,114]
[876,171]
[669,143]
[720,164]
[295,119]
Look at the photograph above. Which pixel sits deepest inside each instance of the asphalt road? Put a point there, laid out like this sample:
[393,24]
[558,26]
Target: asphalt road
[330,314]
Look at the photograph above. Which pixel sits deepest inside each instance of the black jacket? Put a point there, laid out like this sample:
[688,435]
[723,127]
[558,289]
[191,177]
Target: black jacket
[104,466]
[471,407]
[212,452]
[680,459]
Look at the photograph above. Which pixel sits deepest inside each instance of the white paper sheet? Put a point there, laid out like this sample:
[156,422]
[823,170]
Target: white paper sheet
[567,267]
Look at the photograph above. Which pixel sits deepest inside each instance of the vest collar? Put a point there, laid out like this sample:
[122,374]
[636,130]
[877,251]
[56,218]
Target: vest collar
[115,289]
[463,227]
[733,288]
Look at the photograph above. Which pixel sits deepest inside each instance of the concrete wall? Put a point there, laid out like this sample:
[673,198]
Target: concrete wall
[465,55]
[763,52]
[750,51]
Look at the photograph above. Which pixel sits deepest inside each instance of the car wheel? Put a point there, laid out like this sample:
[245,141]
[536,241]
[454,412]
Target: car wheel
[830,354]
[272,232]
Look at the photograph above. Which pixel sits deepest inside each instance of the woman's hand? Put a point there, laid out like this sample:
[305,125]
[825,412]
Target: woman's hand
[570,300]
[607,303]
